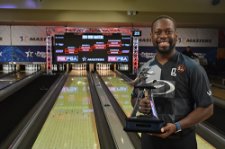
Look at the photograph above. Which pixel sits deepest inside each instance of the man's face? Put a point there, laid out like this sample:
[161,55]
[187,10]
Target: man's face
[164,36]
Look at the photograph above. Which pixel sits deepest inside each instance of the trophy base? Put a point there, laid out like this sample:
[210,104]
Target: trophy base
[143,124]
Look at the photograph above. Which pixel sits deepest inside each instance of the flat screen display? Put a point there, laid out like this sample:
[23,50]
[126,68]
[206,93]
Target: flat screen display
[92,48]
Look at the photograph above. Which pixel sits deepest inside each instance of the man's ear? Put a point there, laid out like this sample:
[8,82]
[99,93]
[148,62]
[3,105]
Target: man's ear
[175,34]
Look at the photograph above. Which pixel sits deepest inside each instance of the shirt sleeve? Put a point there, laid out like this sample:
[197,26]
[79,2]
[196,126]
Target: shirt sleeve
[200,87]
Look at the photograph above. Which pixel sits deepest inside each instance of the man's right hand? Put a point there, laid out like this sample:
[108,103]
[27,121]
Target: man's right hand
[144,105]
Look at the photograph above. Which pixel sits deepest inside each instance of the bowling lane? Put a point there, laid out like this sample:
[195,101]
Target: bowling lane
[71,123]
[121,90]
[12,78]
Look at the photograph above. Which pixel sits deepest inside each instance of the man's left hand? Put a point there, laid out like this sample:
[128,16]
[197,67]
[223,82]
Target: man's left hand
[166,131]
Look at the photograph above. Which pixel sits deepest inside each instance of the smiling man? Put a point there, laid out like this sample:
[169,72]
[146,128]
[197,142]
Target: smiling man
[188,104]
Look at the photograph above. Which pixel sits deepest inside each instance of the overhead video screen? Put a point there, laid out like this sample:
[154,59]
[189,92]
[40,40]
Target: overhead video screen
[92,48]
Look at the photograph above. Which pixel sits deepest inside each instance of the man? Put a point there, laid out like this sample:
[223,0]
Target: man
[185,99]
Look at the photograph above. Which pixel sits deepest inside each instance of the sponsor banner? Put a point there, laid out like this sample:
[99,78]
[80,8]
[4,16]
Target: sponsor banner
[146,53]
[36,35]
[197,37]
[118,58]
[29,53]
[6,54]
[186,37]
[67,58]
[92,59]
[52,30]
[5,35]
[29,35]
[22,54]
[205,54]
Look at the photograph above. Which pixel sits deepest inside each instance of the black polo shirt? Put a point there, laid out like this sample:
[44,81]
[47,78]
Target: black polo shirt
[182,85]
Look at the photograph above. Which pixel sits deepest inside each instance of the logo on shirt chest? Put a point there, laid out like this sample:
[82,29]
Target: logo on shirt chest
[174,72]
[180,69]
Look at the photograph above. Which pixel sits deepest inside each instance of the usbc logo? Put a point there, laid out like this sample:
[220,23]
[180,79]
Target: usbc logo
[118,58]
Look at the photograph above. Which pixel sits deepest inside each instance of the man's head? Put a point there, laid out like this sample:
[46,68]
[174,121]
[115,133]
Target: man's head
[163,34]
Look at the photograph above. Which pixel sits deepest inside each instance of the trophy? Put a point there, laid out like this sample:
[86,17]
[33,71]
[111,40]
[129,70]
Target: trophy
[147,122]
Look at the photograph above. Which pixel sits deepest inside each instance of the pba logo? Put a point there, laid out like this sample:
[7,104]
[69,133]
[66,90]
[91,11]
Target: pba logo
[118,58]
[67,58]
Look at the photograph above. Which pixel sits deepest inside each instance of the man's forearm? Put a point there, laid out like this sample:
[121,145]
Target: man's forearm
[198,115]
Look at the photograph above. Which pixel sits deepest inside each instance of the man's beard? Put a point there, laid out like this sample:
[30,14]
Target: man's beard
[168,50]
